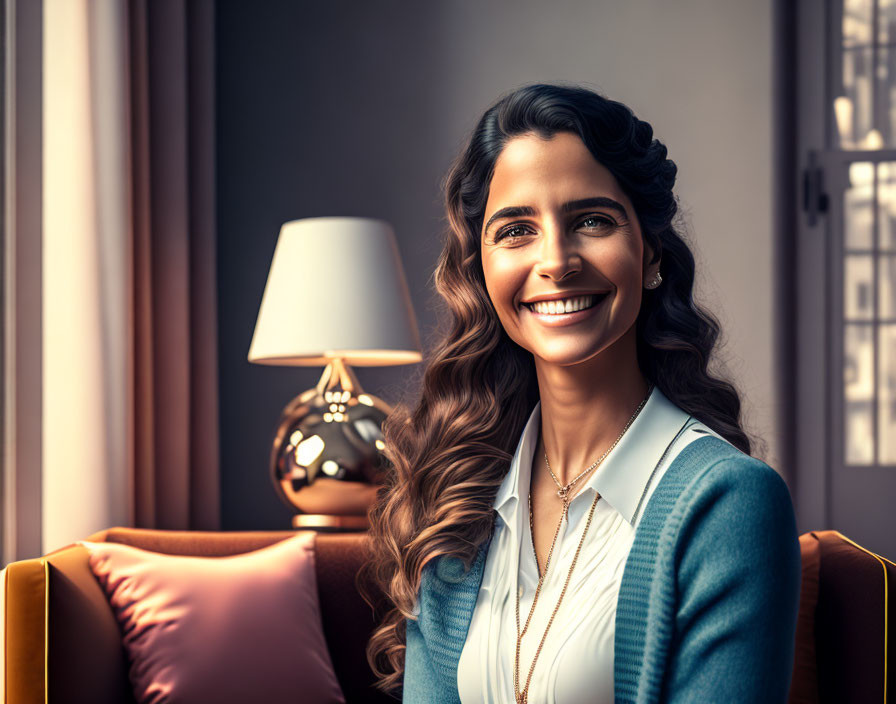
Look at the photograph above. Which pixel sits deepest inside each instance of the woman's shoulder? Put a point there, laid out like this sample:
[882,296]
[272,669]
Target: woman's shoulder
[717,500]
[701,450]
[695,430]
[709,467]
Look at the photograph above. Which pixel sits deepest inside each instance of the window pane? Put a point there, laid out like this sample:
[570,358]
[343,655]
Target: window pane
[857,199]
[857,80]
[857,287]
[856,22]
[858,386]
[886,18]
[886,205]
[886,281]
[886,409]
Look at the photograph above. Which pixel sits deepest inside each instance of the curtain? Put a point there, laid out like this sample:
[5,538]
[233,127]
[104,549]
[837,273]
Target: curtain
[129,333]
[176,439]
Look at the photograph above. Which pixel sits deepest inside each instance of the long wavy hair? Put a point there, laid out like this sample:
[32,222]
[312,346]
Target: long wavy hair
[448,455]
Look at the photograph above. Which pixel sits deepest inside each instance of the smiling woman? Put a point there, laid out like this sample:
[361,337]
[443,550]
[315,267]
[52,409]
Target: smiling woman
[572,237]
[571,513]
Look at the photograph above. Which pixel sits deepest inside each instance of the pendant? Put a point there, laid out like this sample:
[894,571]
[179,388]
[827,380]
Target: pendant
[562,493]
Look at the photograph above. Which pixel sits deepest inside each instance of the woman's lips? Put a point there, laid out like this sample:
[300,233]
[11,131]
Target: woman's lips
[563,319]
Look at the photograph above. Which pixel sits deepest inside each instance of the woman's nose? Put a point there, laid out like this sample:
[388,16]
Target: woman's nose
[557,256]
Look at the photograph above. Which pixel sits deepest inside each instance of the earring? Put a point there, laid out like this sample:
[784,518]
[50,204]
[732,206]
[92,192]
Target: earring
[655,281]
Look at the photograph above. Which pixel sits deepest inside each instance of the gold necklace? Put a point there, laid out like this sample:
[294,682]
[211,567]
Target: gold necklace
[522,696]
[563,491]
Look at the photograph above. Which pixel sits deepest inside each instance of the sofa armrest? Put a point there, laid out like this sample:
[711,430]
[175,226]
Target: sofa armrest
[23,621]
[60,639]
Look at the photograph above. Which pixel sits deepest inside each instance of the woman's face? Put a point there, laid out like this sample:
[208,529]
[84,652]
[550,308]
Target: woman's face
[557,222]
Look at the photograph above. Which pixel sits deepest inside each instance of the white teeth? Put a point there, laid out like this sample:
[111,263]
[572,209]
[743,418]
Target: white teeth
[567,305]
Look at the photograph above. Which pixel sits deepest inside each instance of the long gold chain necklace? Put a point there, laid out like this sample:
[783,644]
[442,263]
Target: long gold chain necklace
[522,696]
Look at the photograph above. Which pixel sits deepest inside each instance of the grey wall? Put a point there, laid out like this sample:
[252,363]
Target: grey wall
[357,109]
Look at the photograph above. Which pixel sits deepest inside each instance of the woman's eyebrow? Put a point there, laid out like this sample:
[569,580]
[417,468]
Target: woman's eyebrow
[516,211]
[598,202]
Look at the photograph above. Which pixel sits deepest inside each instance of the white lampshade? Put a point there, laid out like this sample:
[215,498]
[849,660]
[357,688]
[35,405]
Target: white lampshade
[336,289]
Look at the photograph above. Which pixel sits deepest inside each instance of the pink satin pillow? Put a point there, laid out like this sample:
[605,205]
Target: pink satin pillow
[245,628]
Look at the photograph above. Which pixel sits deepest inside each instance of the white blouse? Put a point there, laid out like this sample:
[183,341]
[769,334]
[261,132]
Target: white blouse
[576,662]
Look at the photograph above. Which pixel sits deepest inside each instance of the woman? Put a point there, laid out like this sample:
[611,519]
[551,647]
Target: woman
[628,548]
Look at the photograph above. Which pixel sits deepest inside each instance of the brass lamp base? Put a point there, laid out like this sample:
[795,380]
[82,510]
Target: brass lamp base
[327,461]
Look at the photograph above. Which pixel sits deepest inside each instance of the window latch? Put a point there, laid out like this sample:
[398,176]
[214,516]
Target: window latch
[815,200]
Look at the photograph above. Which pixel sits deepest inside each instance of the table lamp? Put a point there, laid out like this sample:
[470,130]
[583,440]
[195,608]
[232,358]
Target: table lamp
[336,295]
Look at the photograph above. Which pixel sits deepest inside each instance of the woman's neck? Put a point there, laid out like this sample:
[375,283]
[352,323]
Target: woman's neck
[585,407]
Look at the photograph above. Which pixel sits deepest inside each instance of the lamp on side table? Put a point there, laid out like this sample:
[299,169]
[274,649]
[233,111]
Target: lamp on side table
[336,295]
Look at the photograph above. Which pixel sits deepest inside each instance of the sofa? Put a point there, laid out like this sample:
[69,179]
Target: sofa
[53,606]
[62,642]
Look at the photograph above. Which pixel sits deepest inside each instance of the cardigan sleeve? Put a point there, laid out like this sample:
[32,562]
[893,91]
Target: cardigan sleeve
[420,684]
[738,583]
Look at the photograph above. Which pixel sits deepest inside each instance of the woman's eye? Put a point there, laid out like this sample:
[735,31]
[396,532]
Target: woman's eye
[595,221]
[512,232]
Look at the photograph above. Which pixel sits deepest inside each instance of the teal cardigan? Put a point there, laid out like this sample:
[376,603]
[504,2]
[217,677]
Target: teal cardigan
[707,605]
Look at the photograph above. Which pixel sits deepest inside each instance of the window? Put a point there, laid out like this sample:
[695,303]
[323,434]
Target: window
[863,131]
[845,254]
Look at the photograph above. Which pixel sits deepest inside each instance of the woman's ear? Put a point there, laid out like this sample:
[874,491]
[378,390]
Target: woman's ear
[651,262]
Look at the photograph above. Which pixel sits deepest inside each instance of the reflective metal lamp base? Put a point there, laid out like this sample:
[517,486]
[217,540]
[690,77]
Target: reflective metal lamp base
[327,461]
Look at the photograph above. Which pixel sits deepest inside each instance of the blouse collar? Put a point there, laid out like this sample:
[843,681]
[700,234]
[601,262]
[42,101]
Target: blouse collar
[623,476]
